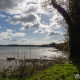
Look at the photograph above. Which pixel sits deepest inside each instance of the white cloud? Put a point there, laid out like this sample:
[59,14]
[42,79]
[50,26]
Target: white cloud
[0,27]
[43,26]
[28,21]
[57,21]
[9,30]
[39,31]
[23,40]
[63,3]
[27,6]
[22,29]
[27,15]
[54,33]
[18,34]
[29,18]
[34,25]
[23,19]
[8,34]
[31,8]
[48,30]
[46,7]
[5,35]
[12,6]
[30,26]
[3,16]
[20,6]
[19,40]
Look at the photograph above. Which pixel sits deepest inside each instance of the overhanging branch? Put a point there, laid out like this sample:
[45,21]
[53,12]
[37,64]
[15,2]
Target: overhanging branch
[63,13]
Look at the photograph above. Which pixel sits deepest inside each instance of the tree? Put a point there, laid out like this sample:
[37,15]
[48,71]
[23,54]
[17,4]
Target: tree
[72,18]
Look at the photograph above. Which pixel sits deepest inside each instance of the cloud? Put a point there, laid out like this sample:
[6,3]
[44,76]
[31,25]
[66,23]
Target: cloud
[14,40]
[18,34]
[39,31]
[27,13]
[19,7]
[28,18]
[30,26]
[23,40]
[19,40]
[7,4]
[63,3]
[46,7]
[8,34]
[57,21]
[12,6]
[52,32]
[31,8]
[3,16]
[36,25]
[23,19]
[0,27]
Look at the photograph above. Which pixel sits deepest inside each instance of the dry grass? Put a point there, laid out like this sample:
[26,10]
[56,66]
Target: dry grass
[29,67]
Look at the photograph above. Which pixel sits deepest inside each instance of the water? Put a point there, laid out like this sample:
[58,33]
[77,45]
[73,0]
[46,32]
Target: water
[28,52]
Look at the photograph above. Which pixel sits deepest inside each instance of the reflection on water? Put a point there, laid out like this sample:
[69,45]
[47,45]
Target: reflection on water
[28,52]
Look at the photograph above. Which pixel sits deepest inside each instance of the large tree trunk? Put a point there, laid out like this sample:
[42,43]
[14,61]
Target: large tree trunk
[74,11]
[75,45]
[73,20]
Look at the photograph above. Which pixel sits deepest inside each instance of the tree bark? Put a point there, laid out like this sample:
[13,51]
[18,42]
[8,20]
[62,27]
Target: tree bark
[75,46]
[73,20]
[74,7]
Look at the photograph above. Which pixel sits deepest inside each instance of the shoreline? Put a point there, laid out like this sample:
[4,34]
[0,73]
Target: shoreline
[4,63]
[47,55]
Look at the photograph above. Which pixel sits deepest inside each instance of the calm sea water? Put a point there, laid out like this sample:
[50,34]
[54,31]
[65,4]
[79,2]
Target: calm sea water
[28,52]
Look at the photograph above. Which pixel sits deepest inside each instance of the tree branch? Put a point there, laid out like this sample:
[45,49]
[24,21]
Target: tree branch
[63,13]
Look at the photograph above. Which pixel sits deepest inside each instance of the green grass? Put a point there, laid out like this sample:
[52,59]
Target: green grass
[57,72]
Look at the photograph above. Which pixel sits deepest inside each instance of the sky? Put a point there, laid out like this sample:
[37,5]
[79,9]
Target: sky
[30,22]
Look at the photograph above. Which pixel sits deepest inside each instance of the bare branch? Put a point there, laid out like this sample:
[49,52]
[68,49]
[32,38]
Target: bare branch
[62,12]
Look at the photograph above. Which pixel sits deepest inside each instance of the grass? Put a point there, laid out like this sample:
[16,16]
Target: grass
[38,69]
[57,72]
[34,66]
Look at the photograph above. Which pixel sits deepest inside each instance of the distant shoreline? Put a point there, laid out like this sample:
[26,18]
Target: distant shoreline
[61,46]
[28,45]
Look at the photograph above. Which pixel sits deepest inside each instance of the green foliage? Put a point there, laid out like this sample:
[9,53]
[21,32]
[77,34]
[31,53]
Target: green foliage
[63,46]
[57,72]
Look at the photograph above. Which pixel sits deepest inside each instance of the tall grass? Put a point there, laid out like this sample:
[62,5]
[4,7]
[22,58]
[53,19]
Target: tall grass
[29,67]
[25,68]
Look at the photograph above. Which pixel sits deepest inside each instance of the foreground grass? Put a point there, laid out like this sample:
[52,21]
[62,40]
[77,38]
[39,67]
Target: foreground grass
[57,72]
